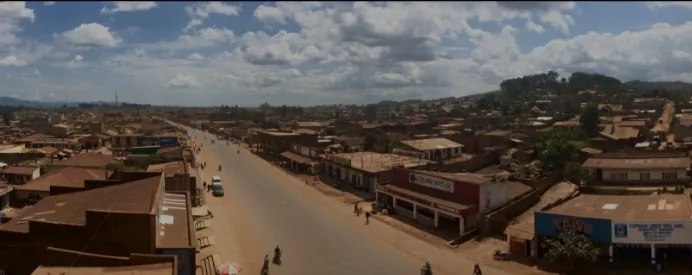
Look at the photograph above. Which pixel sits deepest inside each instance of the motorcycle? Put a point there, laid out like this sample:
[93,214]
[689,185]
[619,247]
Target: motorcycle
[501,255]
[426,270]
[277,259]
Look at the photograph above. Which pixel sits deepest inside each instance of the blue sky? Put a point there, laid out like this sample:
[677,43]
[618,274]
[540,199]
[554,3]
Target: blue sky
[246,53]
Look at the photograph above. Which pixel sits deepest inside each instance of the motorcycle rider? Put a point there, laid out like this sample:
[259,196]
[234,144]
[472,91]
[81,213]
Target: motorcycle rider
[427,270]
[277,253]
[265,266]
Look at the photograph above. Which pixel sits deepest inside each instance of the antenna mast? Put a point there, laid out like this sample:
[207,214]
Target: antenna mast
[116,97]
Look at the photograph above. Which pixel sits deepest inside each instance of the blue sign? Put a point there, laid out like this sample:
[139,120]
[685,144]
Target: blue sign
[169,141]
[548,224]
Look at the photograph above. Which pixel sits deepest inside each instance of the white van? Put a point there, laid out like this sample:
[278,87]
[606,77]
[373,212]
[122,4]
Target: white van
[215,180]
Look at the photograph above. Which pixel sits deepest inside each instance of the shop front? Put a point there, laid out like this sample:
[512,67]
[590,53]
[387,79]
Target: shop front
[658,241]
[549,225]
[428,210]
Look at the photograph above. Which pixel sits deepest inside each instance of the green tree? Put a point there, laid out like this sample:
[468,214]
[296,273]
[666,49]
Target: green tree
[590,119]
[283,111]
[571,249]
[555,149]
[7,117]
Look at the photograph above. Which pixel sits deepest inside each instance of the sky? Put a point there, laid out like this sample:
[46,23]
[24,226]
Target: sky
[309,53]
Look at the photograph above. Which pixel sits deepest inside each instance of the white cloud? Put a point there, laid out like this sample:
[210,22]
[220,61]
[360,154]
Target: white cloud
[11,13]
[183,81]
[37,72]
[12,61]
[204,38]
[49,3]
[530,25]
[195,56]
[90,35]
[201,11]
[668,4]
[129,6]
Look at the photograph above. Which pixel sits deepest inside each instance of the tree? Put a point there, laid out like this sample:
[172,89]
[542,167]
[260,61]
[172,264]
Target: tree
[555,149]
[570,249]
[7,117]
[590,119]
[283,111]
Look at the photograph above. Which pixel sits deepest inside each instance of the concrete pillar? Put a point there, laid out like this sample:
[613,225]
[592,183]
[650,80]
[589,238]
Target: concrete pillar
[653,256]
[610,255]
[437,219]
[415,211]
[461,226]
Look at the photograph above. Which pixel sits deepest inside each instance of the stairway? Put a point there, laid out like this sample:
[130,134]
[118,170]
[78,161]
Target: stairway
[208,265]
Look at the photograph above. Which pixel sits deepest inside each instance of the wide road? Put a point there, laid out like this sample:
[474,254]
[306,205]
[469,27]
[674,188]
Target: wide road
[314,238]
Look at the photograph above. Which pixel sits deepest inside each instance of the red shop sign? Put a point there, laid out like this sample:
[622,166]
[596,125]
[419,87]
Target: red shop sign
[422,201]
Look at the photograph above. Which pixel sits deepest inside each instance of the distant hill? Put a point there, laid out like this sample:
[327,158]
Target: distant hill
[667,85]
[13,102]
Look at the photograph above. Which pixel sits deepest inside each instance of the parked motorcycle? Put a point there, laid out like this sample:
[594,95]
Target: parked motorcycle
[501,255]
[426,270]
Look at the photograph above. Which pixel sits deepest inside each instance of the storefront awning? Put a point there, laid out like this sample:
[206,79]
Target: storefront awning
[523,230]
[447,206]
[295,157]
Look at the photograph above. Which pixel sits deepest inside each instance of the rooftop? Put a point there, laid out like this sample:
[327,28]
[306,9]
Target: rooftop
[638,163]
[375,162]
[151,269]
[170,168]
[8,146]
[86,160]
[274,133]
[135,197]
[173,222]
[649,208]
[18,170]
[431,144]
[34,138]
[67,177]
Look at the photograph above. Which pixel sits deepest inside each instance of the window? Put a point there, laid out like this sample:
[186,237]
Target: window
[670,175]
[618,176]
[644,176]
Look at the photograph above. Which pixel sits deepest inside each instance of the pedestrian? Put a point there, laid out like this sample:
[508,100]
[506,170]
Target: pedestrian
[205,185]
[355,208]
[367,218]
[306,182]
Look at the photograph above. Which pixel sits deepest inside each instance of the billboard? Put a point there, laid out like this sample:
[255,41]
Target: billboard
[431,182]
[644,232]
[549,224]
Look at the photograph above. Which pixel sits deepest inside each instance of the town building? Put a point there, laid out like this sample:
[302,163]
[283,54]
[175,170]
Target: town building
[138,140]
[378,112]
[19,174]
[363,170]
[629,228]
[134,214]
[274,143]
[54,182]
[639,169]
[433,148]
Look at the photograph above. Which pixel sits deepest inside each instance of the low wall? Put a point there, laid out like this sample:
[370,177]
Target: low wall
[497,221]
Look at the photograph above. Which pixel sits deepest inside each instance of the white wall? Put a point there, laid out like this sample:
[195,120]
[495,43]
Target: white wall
[493,195]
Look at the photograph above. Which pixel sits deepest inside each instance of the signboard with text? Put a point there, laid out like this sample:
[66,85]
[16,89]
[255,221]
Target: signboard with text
[549,224]
[432,182]
[305,151]
[413,199]
[645,232]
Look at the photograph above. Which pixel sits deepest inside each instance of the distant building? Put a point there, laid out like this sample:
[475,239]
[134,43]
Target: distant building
[377,112]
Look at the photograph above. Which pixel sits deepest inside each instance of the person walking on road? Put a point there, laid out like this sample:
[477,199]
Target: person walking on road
[205,186]
[367,218]
[355,208]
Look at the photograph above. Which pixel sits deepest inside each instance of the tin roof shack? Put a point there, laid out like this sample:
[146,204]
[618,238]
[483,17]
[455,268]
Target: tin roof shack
[114,218]
[364,170]
[640,169]
[86,160]
[433,148]
[19,174]
[428,196]
[274,143]
[54,182]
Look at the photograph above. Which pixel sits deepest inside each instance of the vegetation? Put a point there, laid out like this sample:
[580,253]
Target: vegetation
[378,139]
[571,249]
[555,149]
[7,117]
[590,119]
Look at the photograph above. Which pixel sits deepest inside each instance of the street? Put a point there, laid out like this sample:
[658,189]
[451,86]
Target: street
[264,208]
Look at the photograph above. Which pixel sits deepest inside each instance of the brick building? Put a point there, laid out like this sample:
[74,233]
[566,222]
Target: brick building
[274,143]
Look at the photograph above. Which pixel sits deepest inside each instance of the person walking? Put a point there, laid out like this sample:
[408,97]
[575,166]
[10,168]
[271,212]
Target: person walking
[367,218]
[205,186]
[355,208]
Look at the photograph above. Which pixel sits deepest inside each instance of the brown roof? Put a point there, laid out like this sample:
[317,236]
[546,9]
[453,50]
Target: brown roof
[151,269]
[305,131]
[648,207]
[68,177]
[34,137]
[431,144]
[86,160]
[310,124]
[176,233]
[465,177]
[617,133]
[638,163]
[135,197]
[590,150]
[170,168]
[19,170]
[296,157]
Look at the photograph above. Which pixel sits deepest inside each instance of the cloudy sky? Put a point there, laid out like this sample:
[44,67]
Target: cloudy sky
[245,53]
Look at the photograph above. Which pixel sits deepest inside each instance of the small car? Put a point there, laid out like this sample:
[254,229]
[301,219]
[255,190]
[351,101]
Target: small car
[217,191]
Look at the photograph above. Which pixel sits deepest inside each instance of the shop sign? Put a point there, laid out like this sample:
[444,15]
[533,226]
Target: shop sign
[305,151]
[296,148]
[548,224]
[446,208]
[420,201]
[313,153]
[643,232]
[432,182]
